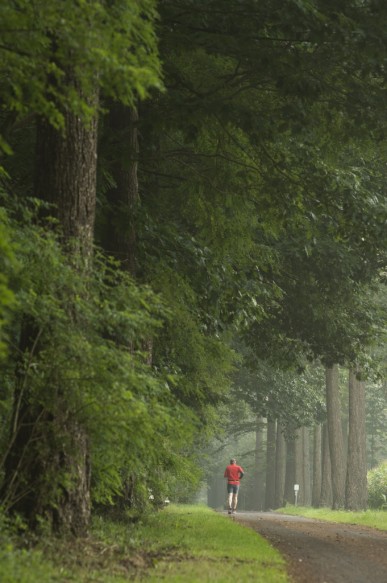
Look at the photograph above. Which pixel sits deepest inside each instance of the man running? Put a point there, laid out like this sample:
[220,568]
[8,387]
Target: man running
[233,473]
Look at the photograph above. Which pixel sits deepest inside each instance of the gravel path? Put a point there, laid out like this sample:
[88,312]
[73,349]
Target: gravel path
[323,552]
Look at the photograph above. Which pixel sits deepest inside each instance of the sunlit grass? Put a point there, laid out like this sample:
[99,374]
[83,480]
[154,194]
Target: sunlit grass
[373,518]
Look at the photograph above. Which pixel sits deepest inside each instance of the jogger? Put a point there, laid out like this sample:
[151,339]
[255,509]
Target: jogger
[233,473]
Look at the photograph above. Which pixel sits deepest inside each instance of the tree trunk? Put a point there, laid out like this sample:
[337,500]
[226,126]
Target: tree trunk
[356,485]
[124,196]
[299,466]
[290,478]
[317,466]
[280,468]
[326,478]
[270,464]
[47,470]
[335,437]
[66,177]
[259,475]
[124,199]
[306,466]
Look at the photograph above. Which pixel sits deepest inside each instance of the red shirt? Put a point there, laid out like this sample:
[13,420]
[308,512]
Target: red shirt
[232,473]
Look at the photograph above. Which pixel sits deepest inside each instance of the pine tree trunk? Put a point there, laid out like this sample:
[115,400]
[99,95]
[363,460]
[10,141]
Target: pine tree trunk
[280,468]
[299,466]
[66,177]
[326,477]
[306,466]
[290,478]
[259,474]
[356,485]
[47,470]
[124,197]
[335,434]
[270,464]
[123,201]
[317,466]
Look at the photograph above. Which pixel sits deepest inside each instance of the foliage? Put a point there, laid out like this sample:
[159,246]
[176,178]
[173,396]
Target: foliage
[113,44]
[84,328]
[295,397]
[377,486]
[7,268]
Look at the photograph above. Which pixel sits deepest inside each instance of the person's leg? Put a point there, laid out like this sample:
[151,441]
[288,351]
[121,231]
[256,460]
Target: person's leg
[234,501]
[235,498]
[230,501]
[230,496]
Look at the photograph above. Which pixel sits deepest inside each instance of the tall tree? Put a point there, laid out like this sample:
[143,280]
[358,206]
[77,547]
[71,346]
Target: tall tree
[326,481]
[270,464]
[356,482]
[258,474]
[280,467]
[336,447]
[306,466]
[317,466]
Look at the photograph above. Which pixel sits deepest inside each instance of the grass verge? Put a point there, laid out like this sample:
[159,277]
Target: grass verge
[179,544]
[372,518]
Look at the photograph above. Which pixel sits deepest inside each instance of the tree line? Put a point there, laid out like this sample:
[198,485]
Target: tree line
[185,186]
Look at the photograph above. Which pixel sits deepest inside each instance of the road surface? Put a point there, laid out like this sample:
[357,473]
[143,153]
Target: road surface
[323,552]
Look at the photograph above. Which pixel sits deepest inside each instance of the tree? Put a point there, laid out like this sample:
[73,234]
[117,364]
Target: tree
[270,464]
[280,468]
[356,482]
[64,94]
[326,483]
[317,466]
[335,437]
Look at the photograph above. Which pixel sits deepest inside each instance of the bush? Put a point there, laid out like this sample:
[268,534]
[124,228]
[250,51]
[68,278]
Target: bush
[377,485]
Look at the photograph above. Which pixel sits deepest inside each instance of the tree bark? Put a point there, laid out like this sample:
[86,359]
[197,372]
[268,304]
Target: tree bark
[290,478]
[356,484]
[326,478]
[317,466]
[306,466]
[280,468]
[335,437]
[66,177]
[124,196]
[270,464]
[299,466]
[259,475]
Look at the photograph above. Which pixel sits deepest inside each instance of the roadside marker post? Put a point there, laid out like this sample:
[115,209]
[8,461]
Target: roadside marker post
[296,490]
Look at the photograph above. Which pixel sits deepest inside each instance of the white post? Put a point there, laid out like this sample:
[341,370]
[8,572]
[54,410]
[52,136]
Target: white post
[296,490]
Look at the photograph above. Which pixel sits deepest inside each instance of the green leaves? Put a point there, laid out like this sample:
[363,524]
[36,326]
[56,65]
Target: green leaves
[112,46]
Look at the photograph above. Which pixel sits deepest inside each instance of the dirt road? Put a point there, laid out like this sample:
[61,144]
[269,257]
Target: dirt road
[323,552]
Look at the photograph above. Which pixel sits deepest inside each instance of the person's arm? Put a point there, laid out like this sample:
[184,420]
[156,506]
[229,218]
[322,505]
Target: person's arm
[241,473]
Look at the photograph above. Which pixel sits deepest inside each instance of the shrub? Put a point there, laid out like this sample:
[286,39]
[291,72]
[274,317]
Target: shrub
[377,485]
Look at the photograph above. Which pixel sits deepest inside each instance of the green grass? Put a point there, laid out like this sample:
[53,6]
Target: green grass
[213,548]
[181,543]
[373,518]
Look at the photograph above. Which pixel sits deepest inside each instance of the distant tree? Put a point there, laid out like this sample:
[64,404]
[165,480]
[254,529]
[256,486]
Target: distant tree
[356,482]
[336,446]
[317,466]
[270,464]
